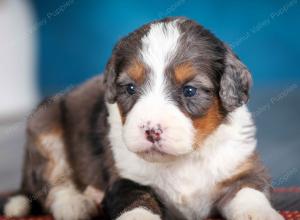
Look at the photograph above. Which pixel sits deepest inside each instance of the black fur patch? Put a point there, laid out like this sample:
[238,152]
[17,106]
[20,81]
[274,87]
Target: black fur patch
[125,195]
[97,132]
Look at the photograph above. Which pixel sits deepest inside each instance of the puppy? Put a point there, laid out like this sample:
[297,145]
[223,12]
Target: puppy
[165,134]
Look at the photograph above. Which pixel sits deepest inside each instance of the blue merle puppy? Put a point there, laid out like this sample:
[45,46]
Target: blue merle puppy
[164,134]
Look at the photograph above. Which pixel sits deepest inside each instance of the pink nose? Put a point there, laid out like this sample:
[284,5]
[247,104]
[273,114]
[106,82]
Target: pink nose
[153,135]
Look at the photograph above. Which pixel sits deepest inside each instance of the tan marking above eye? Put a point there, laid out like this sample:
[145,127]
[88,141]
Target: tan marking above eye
[136,71]
[184,72]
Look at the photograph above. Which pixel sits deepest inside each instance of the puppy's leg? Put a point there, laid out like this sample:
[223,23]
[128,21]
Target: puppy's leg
[64,200]
[48,176]
[127,200]
[250,204]
[47,179]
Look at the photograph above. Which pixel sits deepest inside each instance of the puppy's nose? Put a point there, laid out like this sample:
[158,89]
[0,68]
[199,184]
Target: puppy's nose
[153,135]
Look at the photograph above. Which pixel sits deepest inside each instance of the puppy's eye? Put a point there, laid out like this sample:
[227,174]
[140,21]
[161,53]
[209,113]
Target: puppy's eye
[131,89]
[189,91]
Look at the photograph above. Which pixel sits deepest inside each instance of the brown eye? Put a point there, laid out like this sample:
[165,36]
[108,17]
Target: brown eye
[189,91]
[131,89]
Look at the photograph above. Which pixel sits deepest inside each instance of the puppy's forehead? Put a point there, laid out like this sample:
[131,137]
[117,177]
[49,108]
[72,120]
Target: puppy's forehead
[159,45]
[181,47]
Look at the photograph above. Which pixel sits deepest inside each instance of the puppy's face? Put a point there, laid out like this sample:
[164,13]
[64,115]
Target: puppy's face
[174,83]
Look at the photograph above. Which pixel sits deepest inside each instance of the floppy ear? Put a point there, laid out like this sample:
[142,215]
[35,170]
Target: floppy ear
[110,76]
[235,82]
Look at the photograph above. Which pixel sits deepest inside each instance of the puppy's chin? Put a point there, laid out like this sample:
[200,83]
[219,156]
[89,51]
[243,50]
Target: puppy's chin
[157,157]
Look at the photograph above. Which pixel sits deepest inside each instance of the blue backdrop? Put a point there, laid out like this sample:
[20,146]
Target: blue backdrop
[76,36]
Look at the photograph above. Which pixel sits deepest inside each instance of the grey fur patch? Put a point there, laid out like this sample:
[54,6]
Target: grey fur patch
[235,82]
[123,53]
[109,81]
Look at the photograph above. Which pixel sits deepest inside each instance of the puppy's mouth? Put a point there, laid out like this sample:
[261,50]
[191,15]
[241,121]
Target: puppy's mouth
[153,150]
[155,155]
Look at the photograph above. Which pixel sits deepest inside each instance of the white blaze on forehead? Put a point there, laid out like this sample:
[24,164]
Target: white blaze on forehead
[158,48]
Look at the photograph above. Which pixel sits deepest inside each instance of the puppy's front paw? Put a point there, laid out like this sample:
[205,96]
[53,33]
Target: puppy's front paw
[250,204]
[69,204]
[267,214]
[138,214]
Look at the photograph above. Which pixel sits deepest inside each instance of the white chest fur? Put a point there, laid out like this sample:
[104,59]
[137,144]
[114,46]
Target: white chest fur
[189,183]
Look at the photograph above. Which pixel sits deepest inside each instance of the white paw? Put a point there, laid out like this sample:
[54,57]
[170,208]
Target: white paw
[250,204]
[69,204]
[138,214]
[258,215]
[17,206]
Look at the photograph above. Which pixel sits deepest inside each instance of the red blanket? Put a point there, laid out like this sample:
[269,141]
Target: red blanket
[285,199]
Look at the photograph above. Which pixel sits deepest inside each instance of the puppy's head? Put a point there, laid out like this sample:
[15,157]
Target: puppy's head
[173,82]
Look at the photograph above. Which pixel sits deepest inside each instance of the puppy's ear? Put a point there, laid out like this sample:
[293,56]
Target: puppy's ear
[110,76]
[235,82]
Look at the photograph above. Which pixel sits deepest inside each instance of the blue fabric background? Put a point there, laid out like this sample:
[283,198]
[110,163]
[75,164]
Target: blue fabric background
[77,36]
